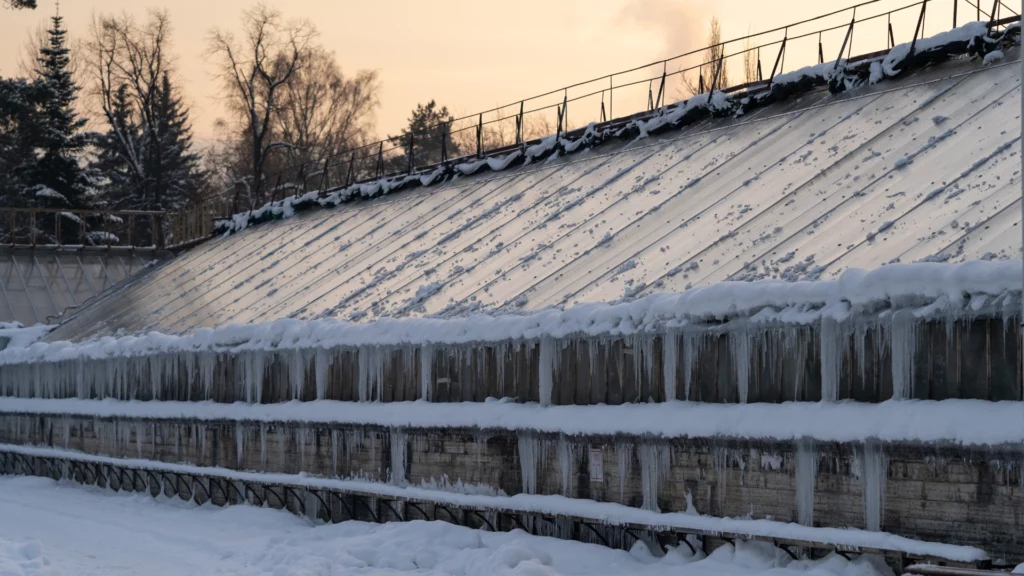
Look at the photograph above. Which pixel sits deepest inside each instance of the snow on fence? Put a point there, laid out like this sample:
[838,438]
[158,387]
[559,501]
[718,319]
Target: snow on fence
[927,331]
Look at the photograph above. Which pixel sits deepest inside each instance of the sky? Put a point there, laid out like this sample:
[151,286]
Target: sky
[472,55]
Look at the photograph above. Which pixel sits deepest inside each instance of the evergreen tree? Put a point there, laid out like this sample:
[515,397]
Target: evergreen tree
[56,178]
[20,105]
[116,158]
[426,123]
[173,166]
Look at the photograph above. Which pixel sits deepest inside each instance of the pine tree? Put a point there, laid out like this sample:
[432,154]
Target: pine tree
[56,178]
[20,105]
[173,167]
[116,158]
[426,123]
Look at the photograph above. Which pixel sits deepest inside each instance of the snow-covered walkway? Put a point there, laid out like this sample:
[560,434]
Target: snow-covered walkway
[50,528]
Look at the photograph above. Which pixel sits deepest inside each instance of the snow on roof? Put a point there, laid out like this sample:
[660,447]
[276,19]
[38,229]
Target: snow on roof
[862,179]
[929,289]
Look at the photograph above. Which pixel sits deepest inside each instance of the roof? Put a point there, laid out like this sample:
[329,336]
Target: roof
[922,168]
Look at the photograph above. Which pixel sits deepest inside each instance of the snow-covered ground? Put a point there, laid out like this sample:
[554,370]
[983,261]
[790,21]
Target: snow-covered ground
[50,528]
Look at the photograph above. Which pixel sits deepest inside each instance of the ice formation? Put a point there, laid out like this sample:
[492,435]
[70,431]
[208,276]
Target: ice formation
[806,475]
[874,474]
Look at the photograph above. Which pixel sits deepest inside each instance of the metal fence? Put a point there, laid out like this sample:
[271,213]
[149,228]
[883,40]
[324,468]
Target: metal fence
[871,26]
[109,229]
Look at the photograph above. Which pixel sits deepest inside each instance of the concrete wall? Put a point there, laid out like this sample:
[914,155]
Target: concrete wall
[944,493]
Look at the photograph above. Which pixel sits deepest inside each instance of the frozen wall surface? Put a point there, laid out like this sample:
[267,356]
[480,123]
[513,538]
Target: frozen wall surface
[923,168]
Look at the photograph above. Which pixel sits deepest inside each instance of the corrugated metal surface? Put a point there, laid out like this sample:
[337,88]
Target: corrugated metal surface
[926,168]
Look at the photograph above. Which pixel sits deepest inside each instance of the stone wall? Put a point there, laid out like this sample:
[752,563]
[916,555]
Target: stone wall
[942,493]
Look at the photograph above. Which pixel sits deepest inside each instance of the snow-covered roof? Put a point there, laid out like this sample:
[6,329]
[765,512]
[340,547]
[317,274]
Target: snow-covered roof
[922,167]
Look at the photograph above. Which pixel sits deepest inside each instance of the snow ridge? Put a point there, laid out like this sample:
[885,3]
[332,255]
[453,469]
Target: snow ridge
[929,288]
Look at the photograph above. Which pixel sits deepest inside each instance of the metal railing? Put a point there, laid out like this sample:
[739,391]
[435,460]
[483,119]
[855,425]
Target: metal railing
[109,229]
[638,90]
[635,91]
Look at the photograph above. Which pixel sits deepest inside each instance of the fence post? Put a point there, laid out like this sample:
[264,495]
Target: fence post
[760,77]
[444,142]
[380,160]
[718,70]
[603,117]
[32,227]
[994,15]
[849,32]
[302,180]
[892,39]
[955,2]
[565,111]
[920,21]
[611,96]
[479,135]
[56,226]
[351,169]
[325,175]
[131,229]
[277,188]
[821,52]
[775,67]
[412,144]
[700,79]
[661,88]
[519,125]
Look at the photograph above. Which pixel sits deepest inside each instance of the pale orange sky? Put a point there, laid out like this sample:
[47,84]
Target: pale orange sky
[472,55]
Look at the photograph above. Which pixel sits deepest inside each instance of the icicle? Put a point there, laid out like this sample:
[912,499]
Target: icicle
[297,364]
[643,359]
[427,372]
[201,437]
[670,354]
[529,457]
[207,365]
[372,363]
[323,363]
[311,505]
[806,472]
[565,461]
[155,373]
[903,344]
[254,367]
[624,455]
[399,448]
[263,446]
[655,464]
[690,341]
[546,369]
[239,445]
[720,459]
[739,346]
[833,341]
[334,452]
[875,473]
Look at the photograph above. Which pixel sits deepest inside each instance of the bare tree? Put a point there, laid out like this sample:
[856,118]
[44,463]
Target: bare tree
[255,73]
[128,64]
[322,112]
[712,61]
